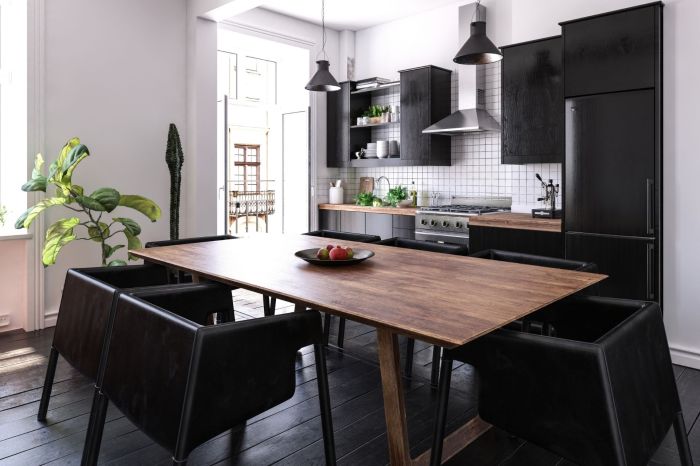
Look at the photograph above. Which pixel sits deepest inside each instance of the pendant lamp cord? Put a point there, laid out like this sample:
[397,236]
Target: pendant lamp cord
[476,11]
[323,31]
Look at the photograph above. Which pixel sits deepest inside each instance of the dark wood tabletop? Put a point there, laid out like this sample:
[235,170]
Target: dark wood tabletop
[443,299]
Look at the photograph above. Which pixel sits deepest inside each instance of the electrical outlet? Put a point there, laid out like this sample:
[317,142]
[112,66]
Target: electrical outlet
[4,320]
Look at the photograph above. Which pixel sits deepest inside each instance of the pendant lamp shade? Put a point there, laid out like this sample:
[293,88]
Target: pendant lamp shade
[322,80]
[478,49]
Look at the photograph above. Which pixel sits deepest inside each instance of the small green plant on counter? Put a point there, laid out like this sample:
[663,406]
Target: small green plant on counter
[364,199]
[396,195]
[94,207]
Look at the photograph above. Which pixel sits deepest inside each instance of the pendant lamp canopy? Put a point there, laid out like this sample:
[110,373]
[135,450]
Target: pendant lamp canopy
[478,49]
[323,80]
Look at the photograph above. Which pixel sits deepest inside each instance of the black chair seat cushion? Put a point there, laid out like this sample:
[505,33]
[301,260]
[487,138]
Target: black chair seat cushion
[426,246]
[345,236]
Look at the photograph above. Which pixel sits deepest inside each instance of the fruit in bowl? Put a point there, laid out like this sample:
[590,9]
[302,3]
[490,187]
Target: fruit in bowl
[334,253]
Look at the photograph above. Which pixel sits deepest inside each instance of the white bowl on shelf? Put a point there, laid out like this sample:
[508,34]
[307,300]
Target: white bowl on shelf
[382,149]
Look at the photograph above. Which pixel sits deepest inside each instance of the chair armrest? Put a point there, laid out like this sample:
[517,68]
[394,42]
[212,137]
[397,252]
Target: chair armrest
[195,302]
[129,276]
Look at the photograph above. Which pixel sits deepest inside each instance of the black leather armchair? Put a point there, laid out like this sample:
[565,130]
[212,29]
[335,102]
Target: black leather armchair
[86,310]
[602,392]
[531,259]
[190,383]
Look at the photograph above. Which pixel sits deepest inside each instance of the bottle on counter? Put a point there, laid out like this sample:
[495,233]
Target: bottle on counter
[413,194]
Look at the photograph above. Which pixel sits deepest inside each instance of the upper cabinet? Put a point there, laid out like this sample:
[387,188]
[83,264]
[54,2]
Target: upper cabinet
[611,52]
[532,123]
[422,98]
[425,99]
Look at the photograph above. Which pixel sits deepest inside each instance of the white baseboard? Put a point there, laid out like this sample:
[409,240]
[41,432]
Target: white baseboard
[50,318]
[685,357]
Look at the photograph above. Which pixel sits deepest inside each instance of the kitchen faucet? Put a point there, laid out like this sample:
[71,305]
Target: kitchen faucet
[387,181]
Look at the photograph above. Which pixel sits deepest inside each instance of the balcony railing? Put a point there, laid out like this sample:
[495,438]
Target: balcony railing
[257,204]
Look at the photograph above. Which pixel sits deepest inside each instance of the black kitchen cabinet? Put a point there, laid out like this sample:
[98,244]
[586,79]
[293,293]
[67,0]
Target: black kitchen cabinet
[541,243]
[610,158]
[612,52]
[532,102]
[628,262]
[341,110]
[425,99]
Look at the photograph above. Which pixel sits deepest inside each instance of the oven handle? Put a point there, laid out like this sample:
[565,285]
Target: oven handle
[437,233]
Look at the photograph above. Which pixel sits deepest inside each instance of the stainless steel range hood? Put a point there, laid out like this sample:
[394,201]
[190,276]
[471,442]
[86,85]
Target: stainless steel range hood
[471,115]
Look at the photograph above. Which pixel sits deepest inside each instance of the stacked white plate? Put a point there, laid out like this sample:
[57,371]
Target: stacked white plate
[371,150]
[382,149]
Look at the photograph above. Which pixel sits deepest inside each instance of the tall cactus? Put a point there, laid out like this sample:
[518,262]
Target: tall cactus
[174,158]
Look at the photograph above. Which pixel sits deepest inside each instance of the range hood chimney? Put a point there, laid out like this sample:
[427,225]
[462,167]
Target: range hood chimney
[471,115]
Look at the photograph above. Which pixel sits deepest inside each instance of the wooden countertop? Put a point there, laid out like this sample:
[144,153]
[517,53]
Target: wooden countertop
[516,221]
[411,211]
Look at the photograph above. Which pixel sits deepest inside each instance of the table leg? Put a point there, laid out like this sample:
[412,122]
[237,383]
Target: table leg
[394,406]
[195,278]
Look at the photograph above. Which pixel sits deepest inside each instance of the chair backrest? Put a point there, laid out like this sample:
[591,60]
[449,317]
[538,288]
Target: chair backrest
[345,236]
[444,248]
[198,239]
[532,259]
[182,383]
[86,304]
[194,301]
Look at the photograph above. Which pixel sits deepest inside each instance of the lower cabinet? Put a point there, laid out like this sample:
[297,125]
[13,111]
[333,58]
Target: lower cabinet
[630,263]
[541,243]
[383,225]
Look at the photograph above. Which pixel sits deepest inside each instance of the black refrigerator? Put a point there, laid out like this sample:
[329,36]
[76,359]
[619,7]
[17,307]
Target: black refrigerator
[610,190]
[612,165]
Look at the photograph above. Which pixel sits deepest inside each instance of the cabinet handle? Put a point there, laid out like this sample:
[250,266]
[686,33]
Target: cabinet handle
[650,272]
[650,206]
[254,99]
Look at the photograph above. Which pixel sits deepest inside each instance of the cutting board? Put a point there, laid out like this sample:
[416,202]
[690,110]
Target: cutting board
[366,184]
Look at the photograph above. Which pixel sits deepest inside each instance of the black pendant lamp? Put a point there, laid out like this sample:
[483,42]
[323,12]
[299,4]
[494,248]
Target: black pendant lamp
[478,49]
[323,80]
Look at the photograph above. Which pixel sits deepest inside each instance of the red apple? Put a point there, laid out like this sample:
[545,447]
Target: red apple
[329,247]
[338,254]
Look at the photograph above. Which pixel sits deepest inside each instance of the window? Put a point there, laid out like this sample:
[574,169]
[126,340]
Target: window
[13,109]
[246,162]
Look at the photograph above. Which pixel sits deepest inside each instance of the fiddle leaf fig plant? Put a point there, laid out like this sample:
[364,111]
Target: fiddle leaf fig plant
[88,221]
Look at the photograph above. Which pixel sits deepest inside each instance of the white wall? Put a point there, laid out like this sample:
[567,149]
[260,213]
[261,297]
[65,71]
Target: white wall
[430,37]
[13,282]
[115,77]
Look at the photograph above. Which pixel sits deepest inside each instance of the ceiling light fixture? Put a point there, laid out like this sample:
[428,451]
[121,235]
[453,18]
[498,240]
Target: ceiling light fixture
[478,49]
[323,80]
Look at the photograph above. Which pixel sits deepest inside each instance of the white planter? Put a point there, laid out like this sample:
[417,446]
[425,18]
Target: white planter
[335,195]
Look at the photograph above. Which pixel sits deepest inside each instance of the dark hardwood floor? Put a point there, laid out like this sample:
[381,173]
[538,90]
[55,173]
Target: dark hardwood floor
[288,434]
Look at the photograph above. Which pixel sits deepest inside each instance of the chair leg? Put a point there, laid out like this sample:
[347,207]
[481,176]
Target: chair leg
[93,438]
[682,440]
[48,385]
[325,401]
[410,347]
[341,331]
[177,462]
[435,370]
[326,328]
[267,310]
[273,305]
[441,415]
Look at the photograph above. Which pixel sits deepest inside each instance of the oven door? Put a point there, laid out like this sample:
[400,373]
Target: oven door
[439,237]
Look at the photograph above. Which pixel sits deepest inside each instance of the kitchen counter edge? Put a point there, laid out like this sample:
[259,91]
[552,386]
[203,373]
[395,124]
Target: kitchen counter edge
[516,221]
[409,211]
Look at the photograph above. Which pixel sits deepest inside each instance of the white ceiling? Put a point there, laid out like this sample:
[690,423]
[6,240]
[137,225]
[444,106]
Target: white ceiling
[352,14]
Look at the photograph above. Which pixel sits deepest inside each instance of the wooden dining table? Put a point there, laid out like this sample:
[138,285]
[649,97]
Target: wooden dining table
[441,299]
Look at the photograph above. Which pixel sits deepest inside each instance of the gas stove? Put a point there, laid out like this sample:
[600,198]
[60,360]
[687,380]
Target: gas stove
[450,223]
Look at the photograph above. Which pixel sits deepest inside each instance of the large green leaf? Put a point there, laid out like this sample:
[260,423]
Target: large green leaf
[38,180]
[75,156]
[62,225]
[19,223]
[109,250]
[108,197]
[146,206]
[38,208]
[56,167]
[58,235]
[61,170]
[133,242]
[131,226]
[90,203]
[94,232]
[116,263]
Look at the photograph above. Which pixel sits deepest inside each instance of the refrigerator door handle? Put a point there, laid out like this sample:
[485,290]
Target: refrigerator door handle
[650,272]
[650,206]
